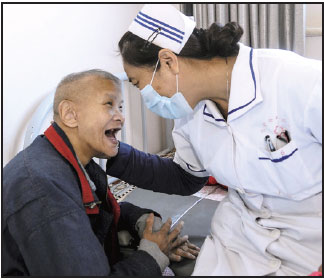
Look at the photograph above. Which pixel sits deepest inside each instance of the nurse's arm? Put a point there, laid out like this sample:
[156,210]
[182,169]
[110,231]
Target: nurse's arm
[152,172]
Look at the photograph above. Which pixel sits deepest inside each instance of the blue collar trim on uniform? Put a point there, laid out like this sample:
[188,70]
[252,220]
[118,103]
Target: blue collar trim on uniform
[211,116]
[162,23]
[253,76]
[279,159]
[154,29]
[159,26]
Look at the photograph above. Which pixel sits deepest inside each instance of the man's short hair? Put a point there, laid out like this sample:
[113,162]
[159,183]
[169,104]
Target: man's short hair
[65,89]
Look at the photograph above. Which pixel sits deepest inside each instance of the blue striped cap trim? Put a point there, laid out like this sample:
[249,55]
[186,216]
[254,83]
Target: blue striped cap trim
[211,116]
[159,26]
[253,77]
[279,159]
[188,166]
[154,29]
[162,23]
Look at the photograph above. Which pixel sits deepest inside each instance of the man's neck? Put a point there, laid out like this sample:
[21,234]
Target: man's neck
[71,134]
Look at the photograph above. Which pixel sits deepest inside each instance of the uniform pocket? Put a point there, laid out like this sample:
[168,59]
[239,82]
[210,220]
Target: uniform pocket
[282,154]
[285,170]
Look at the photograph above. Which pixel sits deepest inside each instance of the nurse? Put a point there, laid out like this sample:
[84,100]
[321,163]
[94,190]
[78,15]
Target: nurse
[252,118]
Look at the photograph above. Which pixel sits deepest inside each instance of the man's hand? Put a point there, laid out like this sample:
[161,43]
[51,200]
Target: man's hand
[182,248]
[162,238]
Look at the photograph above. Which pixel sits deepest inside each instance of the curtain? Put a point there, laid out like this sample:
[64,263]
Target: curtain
[265,25]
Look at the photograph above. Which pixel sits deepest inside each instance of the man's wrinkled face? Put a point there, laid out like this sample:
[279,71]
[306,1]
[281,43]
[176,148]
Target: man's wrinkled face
[99,115]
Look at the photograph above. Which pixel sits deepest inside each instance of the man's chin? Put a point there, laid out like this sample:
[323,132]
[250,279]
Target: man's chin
[110,154]
[113,154]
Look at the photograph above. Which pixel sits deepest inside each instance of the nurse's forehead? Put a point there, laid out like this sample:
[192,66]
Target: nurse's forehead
[137,75]
[135,72]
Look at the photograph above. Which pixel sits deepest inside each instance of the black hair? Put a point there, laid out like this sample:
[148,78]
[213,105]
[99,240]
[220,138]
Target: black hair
[216,41]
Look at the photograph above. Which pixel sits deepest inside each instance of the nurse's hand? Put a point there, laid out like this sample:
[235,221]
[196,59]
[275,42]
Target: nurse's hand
[162,238]
[182,248]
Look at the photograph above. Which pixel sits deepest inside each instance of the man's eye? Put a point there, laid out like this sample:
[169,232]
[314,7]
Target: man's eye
[109,103]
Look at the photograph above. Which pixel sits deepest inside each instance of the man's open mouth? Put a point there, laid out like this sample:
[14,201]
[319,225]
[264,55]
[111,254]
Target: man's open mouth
[112,132]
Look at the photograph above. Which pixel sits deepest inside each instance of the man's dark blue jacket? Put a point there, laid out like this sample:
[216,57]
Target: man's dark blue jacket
[45,229]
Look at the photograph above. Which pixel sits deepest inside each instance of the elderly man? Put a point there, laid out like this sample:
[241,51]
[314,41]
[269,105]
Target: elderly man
[59,216]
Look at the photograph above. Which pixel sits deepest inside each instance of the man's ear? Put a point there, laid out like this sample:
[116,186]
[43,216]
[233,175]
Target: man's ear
[169,61]
[67,113]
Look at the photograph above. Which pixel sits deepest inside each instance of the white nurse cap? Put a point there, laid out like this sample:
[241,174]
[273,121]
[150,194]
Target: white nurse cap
[165,24]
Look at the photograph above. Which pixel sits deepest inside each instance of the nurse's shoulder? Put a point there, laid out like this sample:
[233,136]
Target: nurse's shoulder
[287,60]
[288,74]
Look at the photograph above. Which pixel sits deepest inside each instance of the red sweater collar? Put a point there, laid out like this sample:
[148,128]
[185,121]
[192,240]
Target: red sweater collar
[59,140]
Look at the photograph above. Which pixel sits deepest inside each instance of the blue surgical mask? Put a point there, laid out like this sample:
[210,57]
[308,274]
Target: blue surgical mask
[174,107]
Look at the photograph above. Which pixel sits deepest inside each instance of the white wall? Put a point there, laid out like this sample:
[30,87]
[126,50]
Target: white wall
[313,44]
[43,43]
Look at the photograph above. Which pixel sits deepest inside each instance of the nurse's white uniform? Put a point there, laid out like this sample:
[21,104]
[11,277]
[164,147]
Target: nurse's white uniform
[271,221]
